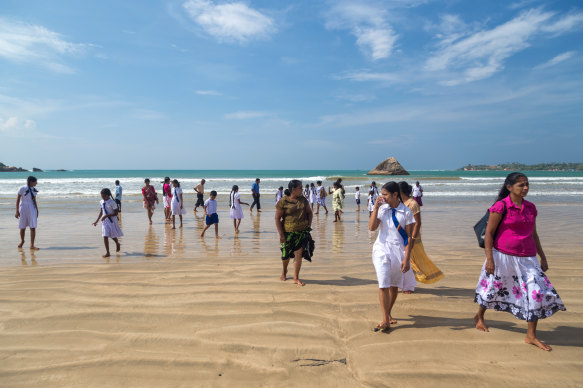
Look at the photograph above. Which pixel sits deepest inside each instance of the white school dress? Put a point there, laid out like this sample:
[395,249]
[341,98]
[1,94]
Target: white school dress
[312,194]
[26,208]
[371,201]
[175,204]
[110,226]
[236,209]
[389,248]
[278,196]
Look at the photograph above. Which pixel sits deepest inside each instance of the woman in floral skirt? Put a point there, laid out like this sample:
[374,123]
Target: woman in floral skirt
[512,279]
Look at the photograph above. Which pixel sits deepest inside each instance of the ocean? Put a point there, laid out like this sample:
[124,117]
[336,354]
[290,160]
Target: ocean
[442,186]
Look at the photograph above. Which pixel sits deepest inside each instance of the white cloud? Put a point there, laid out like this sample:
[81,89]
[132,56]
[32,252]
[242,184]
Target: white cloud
[244,115]
[556,60]
[368,24]
[230,22]
[365,76]
[479,55]
[208,93]
[28,43]
[17,127]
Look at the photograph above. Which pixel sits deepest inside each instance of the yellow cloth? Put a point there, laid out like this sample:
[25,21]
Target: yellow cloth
[423,268]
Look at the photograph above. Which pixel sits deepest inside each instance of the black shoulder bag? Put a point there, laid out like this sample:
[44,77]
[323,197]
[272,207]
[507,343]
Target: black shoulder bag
[480,227]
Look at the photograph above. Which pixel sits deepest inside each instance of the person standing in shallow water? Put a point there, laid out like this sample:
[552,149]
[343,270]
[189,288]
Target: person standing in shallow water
[293,220]
[150,198]
[255,194]
[512,279]
[199,194]
[27,211]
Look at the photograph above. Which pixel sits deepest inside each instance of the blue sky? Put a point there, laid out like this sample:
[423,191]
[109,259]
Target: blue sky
[205,84]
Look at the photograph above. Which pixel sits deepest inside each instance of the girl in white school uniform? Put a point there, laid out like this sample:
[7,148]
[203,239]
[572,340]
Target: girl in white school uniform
[236,209]
[177,205]
[109,224]
[27,211]
[391,253]
[312,198]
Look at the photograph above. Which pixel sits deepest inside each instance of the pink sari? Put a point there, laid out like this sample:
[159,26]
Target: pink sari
[150,197]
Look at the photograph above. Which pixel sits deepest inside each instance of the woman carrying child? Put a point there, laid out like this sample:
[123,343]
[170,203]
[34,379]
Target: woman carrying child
[391,253]
[236,209]
[293,219]
[109,224]
[512,279]
[150,198]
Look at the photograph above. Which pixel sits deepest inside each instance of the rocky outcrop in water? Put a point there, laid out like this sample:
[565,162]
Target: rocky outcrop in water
[389,166]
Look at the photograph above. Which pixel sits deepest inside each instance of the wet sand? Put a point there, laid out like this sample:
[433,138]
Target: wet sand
[174,310]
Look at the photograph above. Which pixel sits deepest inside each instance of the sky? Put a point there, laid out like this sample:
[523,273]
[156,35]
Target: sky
[258,84]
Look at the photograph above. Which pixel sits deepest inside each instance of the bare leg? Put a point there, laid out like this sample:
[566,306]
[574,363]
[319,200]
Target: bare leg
[532,339]
[297,266]
[325,208]
[479,320]
[22,231]
[106,243]
[317,208]
[385,300]
[150,215]
[238,224]
[217,231]
[173,222]
[283,276]
[393,292]
[180,220]
[32,237]
[204,230]
[235,225]
[117,245]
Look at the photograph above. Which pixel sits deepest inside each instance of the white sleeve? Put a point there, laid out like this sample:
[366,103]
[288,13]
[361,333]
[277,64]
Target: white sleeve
[382,211]
[21,191]
[409,219]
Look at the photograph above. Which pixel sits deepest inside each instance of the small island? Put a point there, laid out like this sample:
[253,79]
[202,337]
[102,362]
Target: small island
[524,167]
[389,166]
[5,168]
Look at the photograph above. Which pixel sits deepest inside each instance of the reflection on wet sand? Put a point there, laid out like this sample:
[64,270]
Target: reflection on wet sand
[338,238]
[236,251]
[256,234]
[23,257]
[211,247]
[151,243]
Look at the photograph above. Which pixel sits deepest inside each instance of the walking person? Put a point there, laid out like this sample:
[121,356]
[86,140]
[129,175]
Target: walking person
[293,220]
[512,279]
[199,189]
[337,201]
[278,194]
[150,198]
[27,211]
[422,267]
[177,205]
[418,193]
[212,217]
[357,198]
[118,195]
[235,206]
[255,194]
[109,224]
[312,198]
[391,253]
[167,197]
[320,197]
[371,200]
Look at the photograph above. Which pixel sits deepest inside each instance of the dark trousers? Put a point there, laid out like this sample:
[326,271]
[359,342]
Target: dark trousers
[256,201]
[199,200]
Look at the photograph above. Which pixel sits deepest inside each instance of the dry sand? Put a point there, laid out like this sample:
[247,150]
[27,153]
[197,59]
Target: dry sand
[174,311]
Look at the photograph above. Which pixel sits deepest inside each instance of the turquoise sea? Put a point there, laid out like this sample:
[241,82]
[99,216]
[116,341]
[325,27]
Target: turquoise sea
[439,185]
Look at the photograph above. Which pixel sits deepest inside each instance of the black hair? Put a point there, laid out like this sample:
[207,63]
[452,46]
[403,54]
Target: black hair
[280,188]
[337,184]
[232,197]
[405,188]
[257,179]
[293,184]
[307,185]
[319,182]
[117,182]
[106,192]
[312,184]
[287,192]
[166,179]
[417,182]
[147,180]
[30,180]
[203,180]
[392,187]
[511,179]
[357,188]
[175,181]
[213,193]
[373,183]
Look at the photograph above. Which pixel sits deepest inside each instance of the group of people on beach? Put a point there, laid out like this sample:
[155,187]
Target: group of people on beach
[511,278]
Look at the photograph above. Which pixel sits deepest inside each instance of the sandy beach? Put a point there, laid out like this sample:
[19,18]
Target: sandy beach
[172,310]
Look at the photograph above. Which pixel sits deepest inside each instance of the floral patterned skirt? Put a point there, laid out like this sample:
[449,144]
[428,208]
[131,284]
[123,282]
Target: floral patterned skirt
[518,286]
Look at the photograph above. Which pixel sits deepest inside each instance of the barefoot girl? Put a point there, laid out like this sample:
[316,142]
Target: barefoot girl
[150,198]
[109,224]
[391,251]
[337,201]
[236,209]
[512,279]
[177,205]
[293,219]
[27,211]
[422,268]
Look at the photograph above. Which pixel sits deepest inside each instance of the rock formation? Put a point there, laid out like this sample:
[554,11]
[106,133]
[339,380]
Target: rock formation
[389,166]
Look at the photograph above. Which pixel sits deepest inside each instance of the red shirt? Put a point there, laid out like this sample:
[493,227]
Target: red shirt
[514,235]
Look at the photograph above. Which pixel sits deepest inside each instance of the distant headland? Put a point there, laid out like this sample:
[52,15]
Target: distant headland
[524,167]
[5,168]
